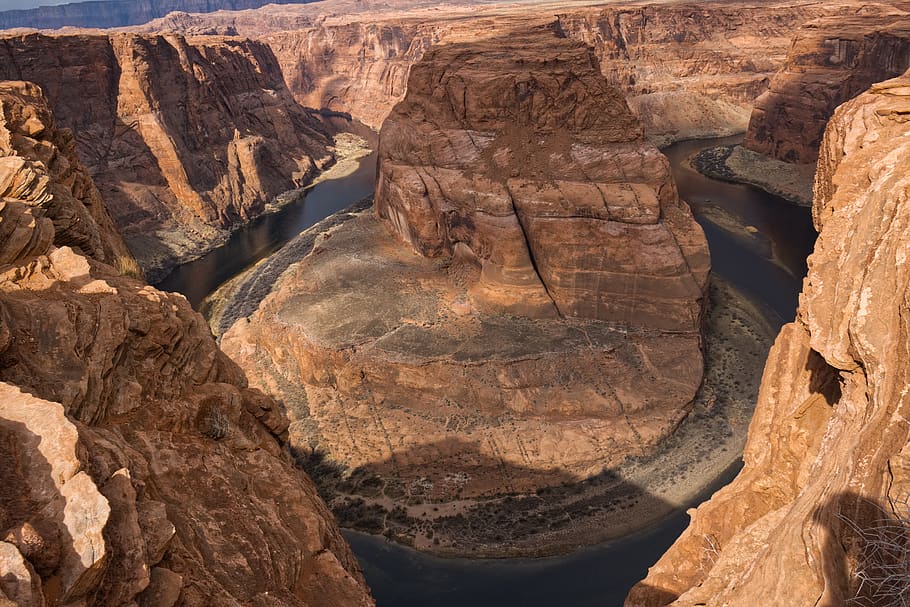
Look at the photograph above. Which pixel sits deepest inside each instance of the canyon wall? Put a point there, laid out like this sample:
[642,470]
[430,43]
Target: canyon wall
[547,329]
[137,466]
[185,137]
[819,514]
[116,13]
[688,70]
[831,60]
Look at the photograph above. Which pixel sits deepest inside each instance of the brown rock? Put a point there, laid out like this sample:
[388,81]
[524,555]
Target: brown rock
[512,353]
[831,60]
[688,70]
[185,137]
[826,458]
[134,465]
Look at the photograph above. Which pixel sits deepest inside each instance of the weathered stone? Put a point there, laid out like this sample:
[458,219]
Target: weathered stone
[826,457]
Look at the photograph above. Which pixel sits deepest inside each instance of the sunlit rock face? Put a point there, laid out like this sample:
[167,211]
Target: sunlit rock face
[185,138]
[136,466]
[826,465]
[831,60]
[524,312]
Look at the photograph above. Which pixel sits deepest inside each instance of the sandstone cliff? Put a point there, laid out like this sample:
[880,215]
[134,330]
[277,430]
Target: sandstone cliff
[821,504]
[137,466]
[185,137]
[548,328]
[689,70]
[831,60]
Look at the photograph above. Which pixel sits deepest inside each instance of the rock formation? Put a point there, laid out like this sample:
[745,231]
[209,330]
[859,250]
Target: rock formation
[185,138]
[136,466]
[548,326]
[824,490]
[116,13]
[831,60]
[688,70]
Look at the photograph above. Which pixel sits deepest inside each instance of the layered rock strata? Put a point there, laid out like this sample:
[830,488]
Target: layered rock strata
[137,466]
[831,60]
[527,312]
[688,70]
[818,515]
[185,137]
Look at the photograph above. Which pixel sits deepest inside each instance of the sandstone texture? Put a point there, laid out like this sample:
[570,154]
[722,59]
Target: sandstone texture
[831,60]
[136,466]
[689,70]
[527,311]
[819,514]
[186,138]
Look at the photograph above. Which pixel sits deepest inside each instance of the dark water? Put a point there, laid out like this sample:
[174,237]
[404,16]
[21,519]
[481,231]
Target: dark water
[788,228]
[198,279]
[601,575]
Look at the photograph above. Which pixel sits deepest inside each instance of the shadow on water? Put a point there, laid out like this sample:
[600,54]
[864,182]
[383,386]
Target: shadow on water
[597,576]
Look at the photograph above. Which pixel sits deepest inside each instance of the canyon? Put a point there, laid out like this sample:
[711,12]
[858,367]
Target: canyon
[114,399]
[497,353]
[825,475]
[522,310]
[185,138]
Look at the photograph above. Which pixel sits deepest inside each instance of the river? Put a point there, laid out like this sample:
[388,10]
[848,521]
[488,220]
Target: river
[767,262]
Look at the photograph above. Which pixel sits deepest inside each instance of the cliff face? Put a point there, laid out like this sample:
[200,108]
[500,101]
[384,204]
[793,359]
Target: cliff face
[830,61]
[185,138]
[117,13]
[691,70]
[688,70]
[548,328]
[138,468]
[824,488]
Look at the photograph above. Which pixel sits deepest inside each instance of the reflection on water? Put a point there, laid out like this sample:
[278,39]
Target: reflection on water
[265,235]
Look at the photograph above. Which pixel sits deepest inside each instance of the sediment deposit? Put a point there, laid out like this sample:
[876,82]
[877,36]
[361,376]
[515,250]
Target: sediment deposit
[136,466]
[825,484]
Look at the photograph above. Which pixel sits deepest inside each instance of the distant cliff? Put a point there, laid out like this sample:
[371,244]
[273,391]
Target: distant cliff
[185,137]
[831,60]
[119,13]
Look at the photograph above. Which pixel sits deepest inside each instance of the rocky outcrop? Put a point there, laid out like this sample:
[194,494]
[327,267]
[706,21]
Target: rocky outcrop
[185,138]
[531,167]
[548,326]
[831,60]
[688,70]
[691,70]
[137,466]
[40,167]
[117,13]
[819,513]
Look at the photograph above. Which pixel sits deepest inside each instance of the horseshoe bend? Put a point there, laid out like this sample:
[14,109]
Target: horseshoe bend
[481,281]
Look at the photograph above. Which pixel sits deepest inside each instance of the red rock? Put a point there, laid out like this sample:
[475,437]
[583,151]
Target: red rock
[826,459]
